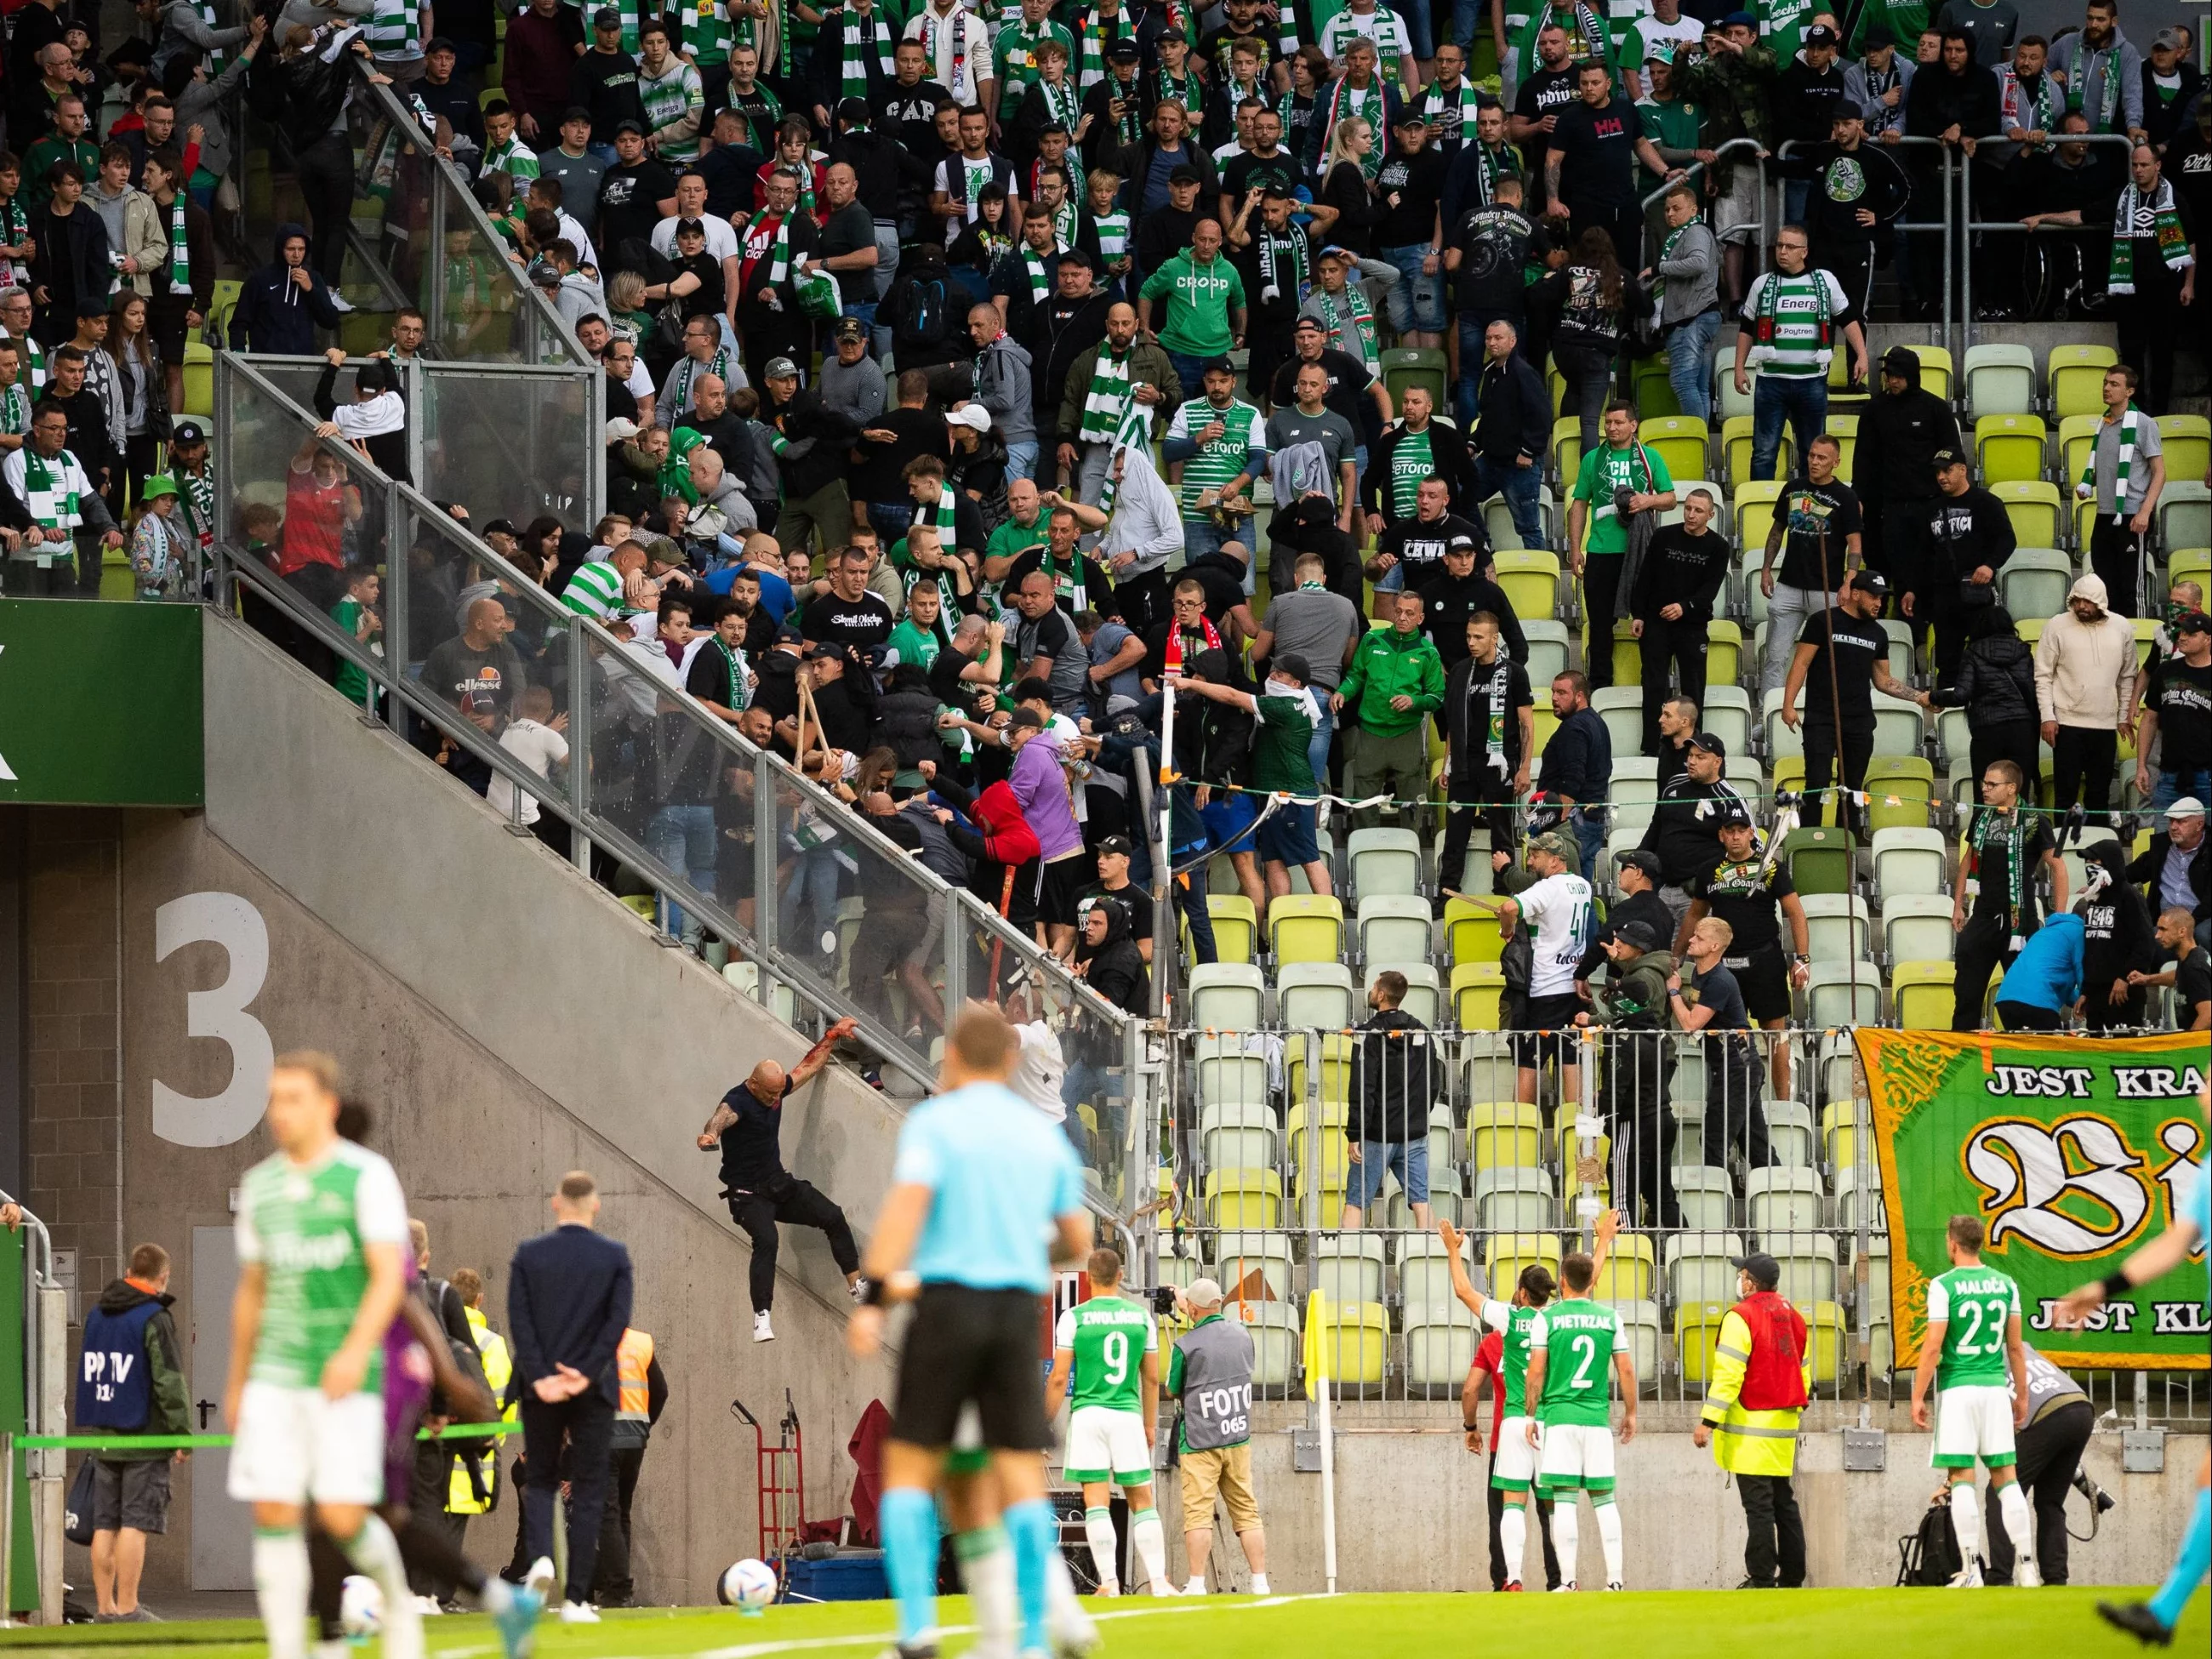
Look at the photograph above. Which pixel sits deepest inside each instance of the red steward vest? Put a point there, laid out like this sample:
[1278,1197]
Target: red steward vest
[1774,1378]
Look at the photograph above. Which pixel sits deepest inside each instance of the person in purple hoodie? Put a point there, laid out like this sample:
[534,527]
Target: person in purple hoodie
[1040,785]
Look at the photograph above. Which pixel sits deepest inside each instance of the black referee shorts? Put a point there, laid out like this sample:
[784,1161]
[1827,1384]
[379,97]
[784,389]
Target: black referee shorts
[1764,978]
[968,1345]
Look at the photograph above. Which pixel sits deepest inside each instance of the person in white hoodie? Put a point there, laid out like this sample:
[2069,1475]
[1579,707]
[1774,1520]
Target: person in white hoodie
[2085,682]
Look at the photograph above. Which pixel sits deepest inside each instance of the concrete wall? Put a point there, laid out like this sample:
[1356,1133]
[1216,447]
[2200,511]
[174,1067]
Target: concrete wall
[509,1021]
[1411,1510]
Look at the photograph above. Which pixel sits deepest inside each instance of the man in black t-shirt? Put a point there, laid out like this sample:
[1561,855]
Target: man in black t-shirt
[1352,389]
[1490,726]
[604,79]
[888,445]
[1543,98]
[1114,883]
[636,194]
[1817,505]
[1410,185]
[2177,707]
[850,614]
[1684,826]
[1589,167]
[1672,606]
[2192,971]
[2002,855]
[761,1192]
[1842,656]
[1754,901]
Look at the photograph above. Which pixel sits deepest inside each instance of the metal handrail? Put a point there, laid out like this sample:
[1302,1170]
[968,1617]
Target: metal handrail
[1697,167]
[1970,225]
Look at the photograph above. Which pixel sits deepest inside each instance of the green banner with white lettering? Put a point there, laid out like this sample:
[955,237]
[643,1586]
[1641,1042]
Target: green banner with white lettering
[100,703]
[2072,1151]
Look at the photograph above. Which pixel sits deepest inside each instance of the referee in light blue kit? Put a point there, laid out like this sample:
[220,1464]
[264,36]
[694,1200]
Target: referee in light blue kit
[982,1180]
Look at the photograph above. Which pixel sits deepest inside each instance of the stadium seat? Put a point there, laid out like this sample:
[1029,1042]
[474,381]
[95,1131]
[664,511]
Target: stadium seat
[1348,1267]
[2009,448]
[1305,927]
[1819,859]
[1838,927]
[1478,991]
[1726,713]
[1698,1332]
[1634,790]
[1317,994]
[1236,927]
[1753,509]
[1510,1252]
[1844,993]
[1514,1201]
[1781,1201]
[2033,582]
[1239,1135]
[1704,1194]
[1782,739]
[1652,391]
[2000,380]
[2077,379]
[2188,441]
[1415,365]
[2033,505]
[1252,1260]
[1393,927]
[1321,1167]
[1425,991]
[1425,1274]
[1900,648]
[1228,1075]
[1471,933]
[1440,1344]
[1332,1054]
[2189,564]
[1356,1337]
[1566,452]
[1547,646]
[1228,996]
[2185,513]
[1243,1198]
[1917,927]
[1631,1270]
[1621,708]
[1736,456]
[1858,1187]
[1846,1133]
[1679,441]
[1505,1134]
[1953,736]
[1899,727]
[1921,992]
[1789,1132]
[1825,1337]
[1909,861]
[1936,370]
[1505,536]
[1724,655]
[1900,790]
[1640,1322]
[1278,1343]
[199,380]
[1384,861]
[1697,1266]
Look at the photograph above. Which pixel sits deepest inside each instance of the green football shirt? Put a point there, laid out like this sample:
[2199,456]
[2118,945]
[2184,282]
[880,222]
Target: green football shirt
[1281,756]
[1974,1305]
[1110,1337]
[1605,469]
[1411,461]
[1217,459]
[1513,1353]
[1579,1338]
[309,1227]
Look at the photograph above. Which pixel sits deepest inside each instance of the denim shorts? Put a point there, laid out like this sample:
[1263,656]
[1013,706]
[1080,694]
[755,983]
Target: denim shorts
[1288,838]
[1411,1160]
[1229,822]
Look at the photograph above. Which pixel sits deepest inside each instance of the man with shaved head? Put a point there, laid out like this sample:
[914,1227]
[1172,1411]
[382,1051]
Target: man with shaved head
[762,1193]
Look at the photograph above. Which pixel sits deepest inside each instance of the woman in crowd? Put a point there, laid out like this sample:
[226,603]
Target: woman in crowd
[1592,301]
[142,385]
[1346,191]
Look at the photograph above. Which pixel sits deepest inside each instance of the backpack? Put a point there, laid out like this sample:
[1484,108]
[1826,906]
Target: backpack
[1931,1556]
[922,322]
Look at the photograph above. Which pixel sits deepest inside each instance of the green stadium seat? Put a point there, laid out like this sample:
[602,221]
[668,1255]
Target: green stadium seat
[1384,861]
[2034,582]
[1248,1261]
[1440,1344]
[1514,1201]
[1393,927]
[1229,1072]
[1405,367]
[1818,858]
[1348,1266]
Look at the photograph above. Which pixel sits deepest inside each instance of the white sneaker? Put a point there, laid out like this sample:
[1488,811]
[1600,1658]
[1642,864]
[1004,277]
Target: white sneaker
[859,1287]
[578,1613]
[762,1331]
[540,1578]
[1259,1584]
[429,1606]
[1970,1578]
[339,302]
[1566,1588]
[1196,1587]
[1162,1587]
[1616,1584]
[2026,1574]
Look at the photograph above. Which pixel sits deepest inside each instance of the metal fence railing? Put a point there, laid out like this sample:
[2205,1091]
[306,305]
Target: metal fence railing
[2092,239]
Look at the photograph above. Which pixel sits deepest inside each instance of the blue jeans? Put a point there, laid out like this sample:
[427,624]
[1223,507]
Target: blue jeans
[1802,401]
[1190,895]
[813,879]
[1467,403]
[1468,15]
[1415,14]
[889,519]
[1520,485]
[682,840]
[2172,786]
[1317,749]
[1417,303]
[1021,460]
[1190,370]
[1376,1158]
[1200,537]
[604,152]
[1589,829]
[1689,364]
[1795,192]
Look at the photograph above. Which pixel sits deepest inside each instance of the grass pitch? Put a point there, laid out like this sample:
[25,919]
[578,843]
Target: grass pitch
[1670,1625]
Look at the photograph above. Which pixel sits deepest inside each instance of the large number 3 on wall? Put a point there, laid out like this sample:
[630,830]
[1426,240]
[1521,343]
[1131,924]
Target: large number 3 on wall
[219,1014]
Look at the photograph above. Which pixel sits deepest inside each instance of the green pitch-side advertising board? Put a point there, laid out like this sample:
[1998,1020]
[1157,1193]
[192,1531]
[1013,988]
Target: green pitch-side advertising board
[2071,1150]
[100,703]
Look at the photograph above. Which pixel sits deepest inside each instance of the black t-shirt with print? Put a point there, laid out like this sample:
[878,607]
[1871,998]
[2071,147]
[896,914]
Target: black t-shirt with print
[1131,899]
[1859,645]
[629,202]
[1417,182]
[863,623]
[1547,92]
[1493,247]
[1737,895]
[1833,507]
[1597,155]
[2182,698]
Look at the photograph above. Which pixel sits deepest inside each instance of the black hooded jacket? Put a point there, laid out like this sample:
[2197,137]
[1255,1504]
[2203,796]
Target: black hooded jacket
[2116,931]
[1996,676]
[1899,437]
[1116,969]
[1393,1079]
[276,314]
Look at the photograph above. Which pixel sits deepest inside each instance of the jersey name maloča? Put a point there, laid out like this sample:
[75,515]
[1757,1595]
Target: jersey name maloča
[1975,1304]
[309,1228]
[1579,1339]
[1110,1337]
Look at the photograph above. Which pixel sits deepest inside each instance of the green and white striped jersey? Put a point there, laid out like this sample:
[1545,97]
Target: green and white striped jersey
[309,1227]
[596,590]
[1221,458]
[667,98]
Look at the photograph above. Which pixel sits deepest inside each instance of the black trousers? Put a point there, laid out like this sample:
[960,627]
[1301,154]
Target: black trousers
[2050,1452]
[1984,945]
[1498,1542]
[1601,586]
[2020,742]
[1144,599]
[1485,797]
[1821,758]
[1892,545]
[615,1588]
[2150,322]
[1950,625]
[1679,646]
[1852,264]
[2116,554]
[1624,225]
[1774,1538]
[587,1420]
[2082,762]
[1735,1111]
[800,1205]
[2026,1017]
[324,170]
[426,1505]
[1635,1098]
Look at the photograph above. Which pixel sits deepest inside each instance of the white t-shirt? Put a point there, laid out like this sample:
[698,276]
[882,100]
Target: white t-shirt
[1647,32]
[1558,912]
[536,747]
[1040,1069]
[721,239]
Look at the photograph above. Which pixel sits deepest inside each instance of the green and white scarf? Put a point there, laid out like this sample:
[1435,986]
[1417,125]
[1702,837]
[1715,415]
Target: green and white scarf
[180,252]
[218,59]
[1190,89]
[1433,105]
[2038,113]
[2134,217]
[34,363]
[1106,402]
[1496,691]
[50,489]
[2012,829]
[1293,246]
[1066,221]
[734,665]
[2106,75]
[1062,102]
[1349,307]
[691,366]
[15,411]
[1092,39]
[1666,252]
[938,514]
[1040,282]
[14,231]
[198,490]
[1345,100]
[2130,424]
[853,51]
[707,36]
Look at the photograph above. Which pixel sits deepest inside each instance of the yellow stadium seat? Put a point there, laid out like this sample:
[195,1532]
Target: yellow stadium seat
[1547,723]
[199,380]
[1629,1270]
[1335,1071]
[2188,441]
[1505,1134]
[1627,655]
[1678,441]
[1922,993]
[1735,450]
[1358,1335]
[1509,1253]
[1244,1199]
[1789,773]
[1824,1337]
[1845,430]
[1566,452]
[1477,990]
[1236,927]
[2077,433]
[1935,370]
[1306,928]
[1697,1333]
[2190,564]
[2032,506]
[1325,1149]
[641,904]
[1754,510]
[1471,933]
[1899,790]
[2077,379]
[2009,448]
[1723,651]
[1530,579]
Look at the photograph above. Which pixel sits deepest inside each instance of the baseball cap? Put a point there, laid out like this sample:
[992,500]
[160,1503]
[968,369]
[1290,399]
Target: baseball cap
[1560,845]
[851,328]
[626,124]
[437,43]
[1710,743]
[1765,1272]
[2193,621]
[1411,116]
[1123,51]
[185,434]
[788,635]
[606,17]
[620,427]
[92,304]
[1313,323]
[1636,858]
[1217,366]
[1076,256]
[1734,816]
[1637,935]
[2170,38]
[973,417]
[852,111]
[780,368]
[1174,33]
[502,527]
[1184,175]
[1876,37]
[1845,110]
[1819,35]
[1901,360]
[1870,581]
[1115,844]
[2187,807]
[1662,51]
[1946,459]
[575,112]
[1292,666]
[1735,18]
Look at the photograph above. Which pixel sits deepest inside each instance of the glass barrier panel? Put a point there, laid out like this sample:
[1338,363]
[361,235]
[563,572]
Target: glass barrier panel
[511,442]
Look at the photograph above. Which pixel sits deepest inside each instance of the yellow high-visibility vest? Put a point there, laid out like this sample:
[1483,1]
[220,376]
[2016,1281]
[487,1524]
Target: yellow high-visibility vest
[633,1360]
[499,1367]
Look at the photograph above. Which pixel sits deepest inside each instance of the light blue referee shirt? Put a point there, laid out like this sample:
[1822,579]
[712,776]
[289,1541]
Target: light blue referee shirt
[1002,1173]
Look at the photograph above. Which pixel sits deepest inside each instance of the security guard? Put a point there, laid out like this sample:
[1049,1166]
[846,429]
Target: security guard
[643,1395]
[2060,1420]
[1762,1375]
[474,1488]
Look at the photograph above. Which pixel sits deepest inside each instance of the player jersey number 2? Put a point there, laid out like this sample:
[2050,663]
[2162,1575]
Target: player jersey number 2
[1972,1346]
[1585,1351]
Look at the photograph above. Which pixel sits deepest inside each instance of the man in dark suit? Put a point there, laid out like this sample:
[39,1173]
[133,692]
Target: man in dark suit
[567,1303]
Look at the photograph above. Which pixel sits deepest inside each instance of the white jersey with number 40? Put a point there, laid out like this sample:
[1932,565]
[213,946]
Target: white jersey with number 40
[1557,911]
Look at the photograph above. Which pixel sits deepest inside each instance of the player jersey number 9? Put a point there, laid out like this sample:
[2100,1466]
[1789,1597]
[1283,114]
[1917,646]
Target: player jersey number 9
[1114,1351]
